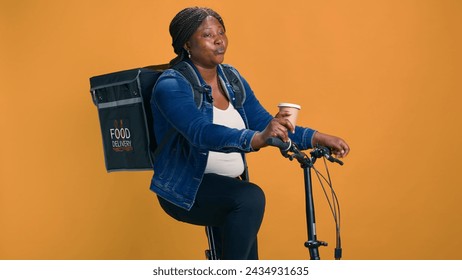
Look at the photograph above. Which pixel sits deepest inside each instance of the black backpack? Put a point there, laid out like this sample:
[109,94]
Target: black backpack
[123,102]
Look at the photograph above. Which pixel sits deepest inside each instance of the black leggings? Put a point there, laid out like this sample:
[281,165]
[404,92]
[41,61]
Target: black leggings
[233,207]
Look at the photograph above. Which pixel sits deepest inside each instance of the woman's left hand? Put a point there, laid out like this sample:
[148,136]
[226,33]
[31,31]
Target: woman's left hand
[337,145]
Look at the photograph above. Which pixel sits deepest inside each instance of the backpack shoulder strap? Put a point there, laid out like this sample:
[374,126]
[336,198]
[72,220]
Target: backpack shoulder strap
[232,76]
[235,81]
[190,74]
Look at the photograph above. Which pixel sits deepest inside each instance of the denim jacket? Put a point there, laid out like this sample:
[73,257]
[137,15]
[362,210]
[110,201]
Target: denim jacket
[180,165]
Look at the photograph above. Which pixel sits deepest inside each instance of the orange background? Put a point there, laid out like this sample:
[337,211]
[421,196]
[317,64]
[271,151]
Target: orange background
[384,75]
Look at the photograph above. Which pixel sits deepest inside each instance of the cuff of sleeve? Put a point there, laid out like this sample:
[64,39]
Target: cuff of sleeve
[246,138]
[309,135]
[252,149]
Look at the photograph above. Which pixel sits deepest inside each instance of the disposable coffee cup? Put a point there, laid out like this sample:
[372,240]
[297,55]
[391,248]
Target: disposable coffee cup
[291,110]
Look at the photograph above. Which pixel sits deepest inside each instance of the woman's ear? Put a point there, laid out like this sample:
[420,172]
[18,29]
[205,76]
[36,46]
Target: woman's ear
[186,46]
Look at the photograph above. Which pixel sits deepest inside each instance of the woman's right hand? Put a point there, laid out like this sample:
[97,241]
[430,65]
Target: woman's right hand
[277,127]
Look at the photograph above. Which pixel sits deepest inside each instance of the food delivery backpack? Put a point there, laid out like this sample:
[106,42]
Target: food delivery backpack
[127,126]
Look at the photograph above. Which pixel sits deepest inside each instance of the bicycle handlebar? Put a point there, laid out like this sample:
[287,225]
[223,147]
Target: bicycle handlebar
[277,142]
[320,151]
[286,147]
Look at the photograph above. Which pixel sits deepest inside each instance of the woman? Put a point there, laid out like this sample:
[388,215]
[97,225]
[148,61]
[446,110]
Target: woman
[196,173]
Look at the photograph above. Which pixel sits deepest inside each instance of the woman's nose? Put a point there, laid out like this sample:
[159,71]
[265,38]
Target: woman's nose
[219,38]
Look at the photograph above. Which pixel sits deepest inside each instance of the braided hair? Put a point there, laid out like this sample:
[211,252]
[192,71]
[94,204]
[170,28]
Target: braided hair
[183,26]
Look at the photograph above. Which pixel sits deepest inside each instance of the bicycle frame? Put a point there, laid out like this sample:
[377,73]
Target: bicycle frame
[290,150]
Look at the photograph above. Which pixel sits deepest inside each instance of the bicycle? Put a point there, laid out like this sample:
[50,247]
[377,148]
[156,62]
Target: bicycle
[290,150]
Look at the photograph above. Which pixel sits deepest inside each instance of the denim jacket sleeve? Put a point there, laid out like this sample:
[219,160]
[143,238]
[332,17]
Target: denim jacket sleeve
[180,166]
[258,118]
[174,100]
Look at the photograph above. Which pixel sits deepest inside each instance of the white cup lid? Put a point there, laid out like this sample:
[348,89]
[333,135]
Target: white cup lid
[290,105]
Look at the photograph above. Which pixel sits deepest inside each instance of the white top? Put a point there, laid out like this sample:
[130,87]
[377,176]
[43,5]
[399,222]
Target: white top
[226,164]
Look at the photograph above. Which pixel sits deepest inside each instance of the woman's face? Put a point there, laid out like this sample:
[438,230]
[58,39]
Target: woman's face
[207,46]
